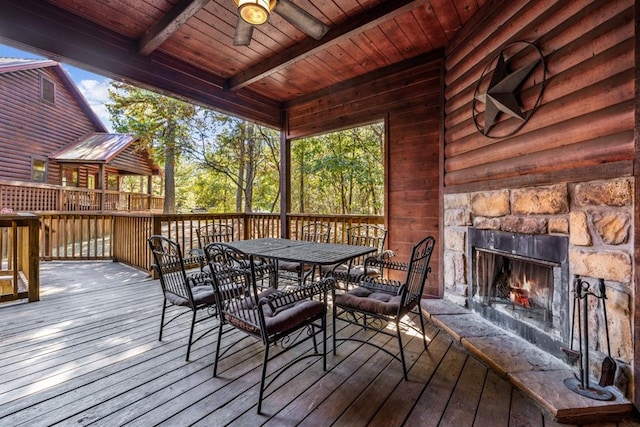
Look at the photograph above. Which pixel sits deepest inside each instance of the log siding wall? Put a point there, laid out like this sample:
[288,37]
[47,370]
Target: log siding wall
[32,127]
[410,100]
[585,128]
[586,117]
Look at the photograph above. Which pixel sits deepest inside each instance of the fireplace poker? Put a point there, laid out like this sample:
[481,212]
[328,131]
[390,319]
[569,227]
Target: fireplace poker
[573,355]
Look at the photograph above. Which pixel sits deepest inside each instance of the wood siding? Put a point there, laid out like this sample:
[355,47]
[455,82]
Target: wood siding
[31,127]
[409,99]
[131,161]
[584,126]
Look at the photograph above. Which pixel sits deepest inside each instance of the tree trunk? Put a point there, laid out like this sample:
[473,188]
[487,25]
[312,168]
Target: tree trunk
[250,168]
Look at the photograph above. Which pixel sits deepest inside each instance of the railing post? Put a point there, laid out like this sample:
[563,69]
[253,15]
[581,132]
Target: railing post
[245,226]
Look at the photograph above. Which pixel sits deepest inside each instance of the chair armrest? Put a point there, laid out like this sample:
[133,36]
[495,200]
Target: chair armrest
[200,278]
[384,262]
[284,298]
[390,286]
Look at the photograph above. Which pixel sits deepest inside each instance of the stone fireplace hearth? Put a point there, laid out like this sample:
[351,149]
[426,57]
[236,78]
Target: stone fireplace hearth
[594,219]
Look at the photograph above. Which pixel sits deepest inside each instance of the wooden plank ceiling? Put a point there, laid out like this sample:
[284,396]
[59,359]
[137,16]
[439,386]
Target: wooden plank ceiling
[185,47]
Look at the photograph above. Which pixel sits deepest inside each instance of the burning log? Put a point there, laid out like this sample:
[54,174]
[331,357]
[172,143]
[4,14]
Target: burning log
[520,296]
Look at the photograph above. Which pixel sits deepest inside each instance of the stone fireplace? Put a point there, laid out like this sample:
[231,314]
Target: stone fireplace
[493,239]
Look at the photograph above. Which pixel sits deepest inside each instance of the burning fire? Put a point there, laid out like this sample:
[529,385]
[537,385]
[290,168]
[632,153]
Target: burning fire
[520,295]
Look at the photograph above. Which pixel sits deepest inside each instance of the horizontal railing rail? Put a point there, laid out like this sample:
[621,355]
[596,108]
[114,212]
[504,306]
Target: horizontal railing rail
[122,237]
[31,197]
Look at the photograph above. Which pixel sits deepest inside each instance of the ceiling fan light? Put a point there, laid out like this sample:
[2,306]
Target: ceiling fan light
[255,12]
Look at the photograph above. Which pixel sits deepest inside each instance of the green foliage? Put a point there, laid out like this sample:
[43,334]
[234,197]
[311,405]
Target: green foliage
[340,172]
[161,124]
[224,164]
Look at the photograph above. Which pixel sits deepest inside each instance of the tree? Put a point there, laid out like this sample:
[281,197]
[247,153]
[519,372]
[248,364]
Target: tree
[160,122]
[340,171]
[242,154]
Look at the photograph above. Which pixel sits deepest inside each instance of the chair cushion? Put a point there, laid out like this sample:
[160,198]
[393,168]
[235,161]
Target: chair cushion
[283,319]
[358,270]
[289,266]
[364,299]
[202,294]
[291,316]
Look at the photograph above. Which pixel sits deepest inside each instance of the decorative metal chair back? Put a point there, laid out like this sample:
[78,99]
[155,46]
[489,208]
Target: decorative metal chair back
[169,265]
[212,233]
[236,288]
[366,235]
[315,232]
[219,256]
[417,273]
[194,291]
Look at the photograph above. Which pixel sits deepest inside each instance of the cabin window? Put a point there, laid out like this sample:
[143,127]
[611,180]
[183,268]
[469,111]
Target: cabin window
[112,182]
[38,170]
[70,177]
[47,90]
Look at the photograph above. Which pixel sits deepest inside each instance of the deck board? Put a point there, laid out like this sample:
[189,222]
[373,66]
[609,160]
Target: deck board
[88,354]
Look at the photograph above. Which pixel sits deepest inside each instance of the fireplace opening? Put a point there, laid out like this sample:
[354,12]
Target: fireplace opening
[521,283]
[519,287]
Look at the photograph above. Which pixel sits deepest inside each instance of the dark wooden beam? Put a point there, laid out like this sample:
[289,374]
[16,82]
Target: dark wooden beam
[169,24]
[50,31]
[362,22]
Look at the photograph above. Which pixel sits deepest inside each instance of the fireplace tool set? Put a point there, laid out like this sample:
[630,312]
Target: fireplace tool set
[581,384]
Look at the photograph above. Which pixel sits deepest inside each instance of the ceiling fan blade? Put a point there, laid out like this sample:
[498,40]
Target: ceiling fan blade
[301,19]
[244,31]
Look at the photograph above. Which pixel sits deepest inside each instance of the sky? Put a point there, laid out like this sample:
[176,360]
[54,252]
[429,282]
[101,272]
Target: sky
[93,86]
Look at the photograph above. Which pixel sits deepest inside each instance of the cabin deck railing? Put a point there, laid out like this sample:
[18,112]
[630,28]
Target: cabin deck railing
[123,237]
[32,197]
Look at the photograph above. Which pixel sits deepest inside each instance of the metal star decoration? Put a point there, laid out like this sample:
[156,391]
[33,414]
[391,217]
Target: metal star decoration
[500,97]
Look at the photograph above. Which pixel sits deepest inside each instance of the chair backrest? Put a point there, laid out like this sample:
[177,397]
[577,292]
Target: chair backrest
[169,264]
[367,235]
[219,255]
[211,233]
[315,232]
[235,284]
[418,270]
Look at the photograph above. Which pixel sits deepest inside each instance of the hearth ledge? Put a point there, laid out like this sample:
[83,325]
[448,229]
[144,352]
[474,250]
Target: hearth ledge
[537,374]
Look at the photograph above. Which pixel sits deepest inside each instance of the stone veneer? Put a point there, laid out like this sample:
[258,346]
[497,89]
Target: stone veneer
[597,218]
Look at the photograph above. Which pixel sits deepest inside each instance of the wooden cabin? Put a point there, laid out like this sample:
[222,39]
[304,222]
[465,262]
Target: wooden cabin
[50,138]
[512,128]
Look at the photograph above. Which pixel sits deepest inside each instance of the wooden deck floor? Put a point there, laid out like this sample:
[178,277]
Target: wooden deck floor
[88,354]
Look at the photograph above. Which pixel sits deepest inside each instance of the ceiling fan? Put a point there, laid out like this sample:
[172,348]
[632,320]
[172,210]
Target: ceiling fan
[256,12]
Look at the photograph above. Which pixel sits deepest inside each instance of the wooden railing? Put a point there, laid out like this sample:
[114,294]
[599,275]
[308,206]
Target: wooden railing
[29,197]
[123,237]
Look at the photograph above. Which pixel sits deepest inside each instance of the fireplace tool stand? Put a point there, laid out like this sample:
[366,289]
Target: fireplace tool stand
[582,385]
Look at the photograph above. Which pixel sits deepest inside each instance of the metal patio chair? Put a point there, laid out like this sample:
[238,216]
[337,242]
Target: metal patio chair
[351,273]
[193,292]
[213,232]
[274,317]
[299,272]
[375,302]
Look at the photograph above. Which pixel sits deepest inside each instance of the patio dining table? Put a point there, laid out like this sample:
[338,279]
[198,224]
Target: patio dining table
[312,253]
